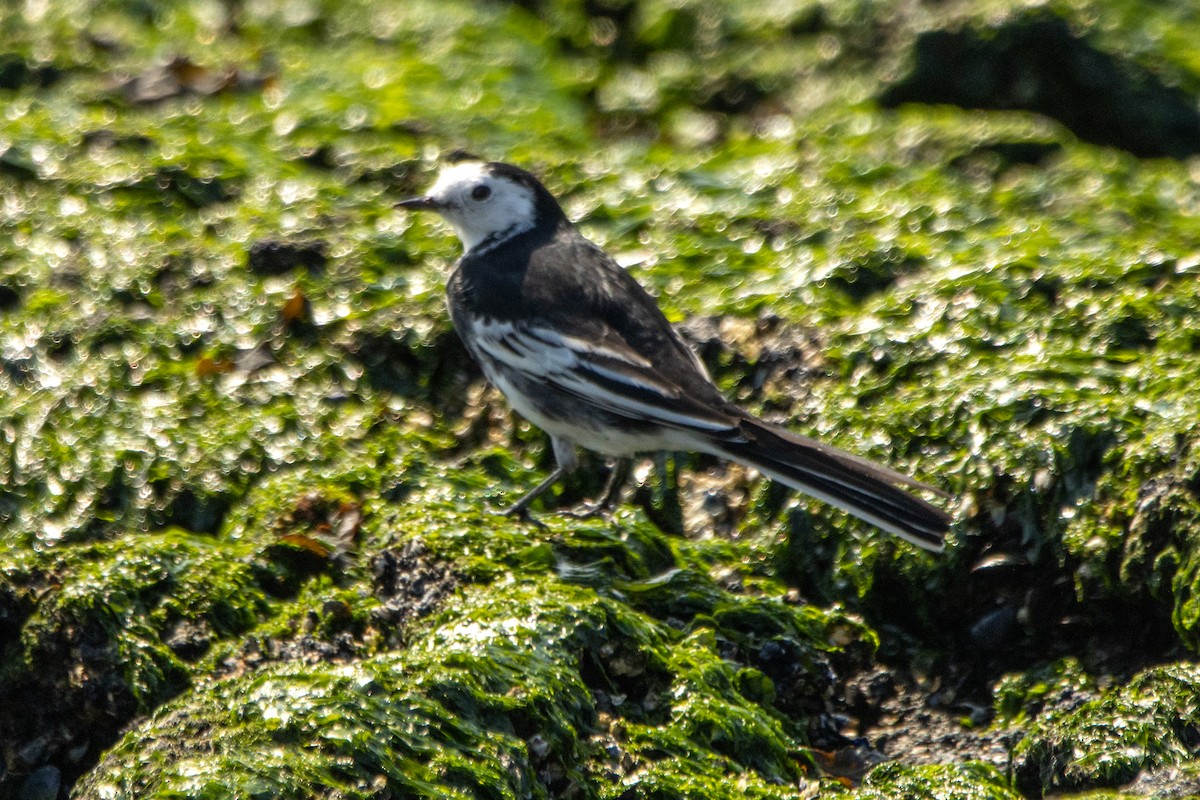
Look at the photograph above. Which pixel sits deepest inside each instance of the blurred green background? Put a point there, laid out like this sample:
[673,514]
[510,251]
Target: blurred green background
[246,469]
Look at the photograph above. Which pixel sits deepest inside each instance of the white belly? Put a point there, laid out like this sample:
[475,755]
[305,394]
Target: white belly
[609,440]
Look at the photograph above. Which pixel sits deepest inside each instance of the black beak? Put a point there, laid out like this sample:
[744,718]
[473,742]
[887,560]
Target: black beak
[418,204]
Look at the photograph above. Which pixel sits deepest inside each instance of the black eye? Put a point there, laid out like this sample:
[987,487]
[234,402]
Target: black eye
[481,192]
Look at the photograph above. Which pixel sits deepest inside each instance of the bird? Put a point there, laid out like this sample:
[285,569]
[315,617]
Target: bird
[580,349]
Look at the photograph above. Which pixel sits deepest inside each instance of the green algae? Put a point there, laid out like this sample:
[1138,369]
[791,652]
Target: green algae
[1023,696]
[1149,722]
[95,634]
[997,308]
[125,602]
[458,714]
[944,781]
[722,724]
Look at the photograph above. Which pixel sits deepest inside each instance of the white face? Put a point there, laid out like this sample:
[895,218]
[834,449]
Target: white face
[478,204]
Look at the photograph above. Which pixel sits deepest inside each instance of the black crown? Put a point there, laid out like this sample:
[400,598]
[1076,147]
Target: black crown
[458,155]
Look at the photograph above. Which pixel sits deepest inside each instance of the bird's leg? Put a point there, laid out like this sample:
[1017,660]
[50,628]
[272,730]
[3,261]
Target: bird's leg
[521,507]
[615,483]
[564,455]
[609,495]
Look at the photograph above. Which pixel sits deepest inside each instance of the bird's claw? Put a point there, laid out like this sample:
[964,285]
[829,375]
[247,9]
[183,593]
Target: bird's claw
[521,513]
[588,511]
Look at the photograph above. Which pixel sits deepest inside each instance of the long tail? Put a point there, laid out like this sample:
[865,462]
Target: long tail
[857,486]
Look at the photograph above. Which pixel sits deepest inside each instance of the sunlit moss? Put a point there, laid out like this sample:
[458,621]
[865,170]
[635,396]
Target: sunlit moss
[1149,722]
[129,617]
[986,302]
[1023,696]
[970,781]
[459,712]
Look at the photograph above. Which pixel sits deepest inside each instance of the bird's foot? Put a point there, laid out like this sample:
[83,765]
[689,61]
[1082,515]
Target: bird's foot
[520,512]
[609,498]
[601,507]
[589,510]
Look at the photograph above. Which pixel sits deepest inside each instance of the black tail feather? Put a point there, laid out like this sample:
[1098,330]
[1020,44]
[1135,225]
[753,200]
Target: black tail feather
[867,490]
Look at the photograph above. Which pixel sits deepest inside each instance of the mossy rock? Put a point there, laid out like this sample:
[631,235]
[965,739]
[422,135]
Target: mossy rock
[517,691]
[242,450]
[1151,722]
[99,633]
[945,782]
[1021,697]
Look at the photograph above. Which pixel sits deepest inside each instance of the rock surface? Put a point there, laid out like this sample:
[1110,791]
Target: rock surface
[247,471]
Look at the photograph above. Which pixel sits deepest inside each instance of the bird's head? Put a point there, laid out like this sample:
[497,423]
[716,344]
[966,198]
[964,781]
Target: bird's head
[487,202]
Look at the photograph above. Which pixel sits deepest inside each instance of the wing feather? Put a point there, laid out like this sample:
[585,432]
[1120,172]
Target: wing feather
[614,378]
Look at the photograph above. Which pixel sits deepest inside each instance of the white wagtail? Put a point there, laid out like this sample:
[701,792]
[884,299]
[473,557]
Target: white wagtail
[581,350]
